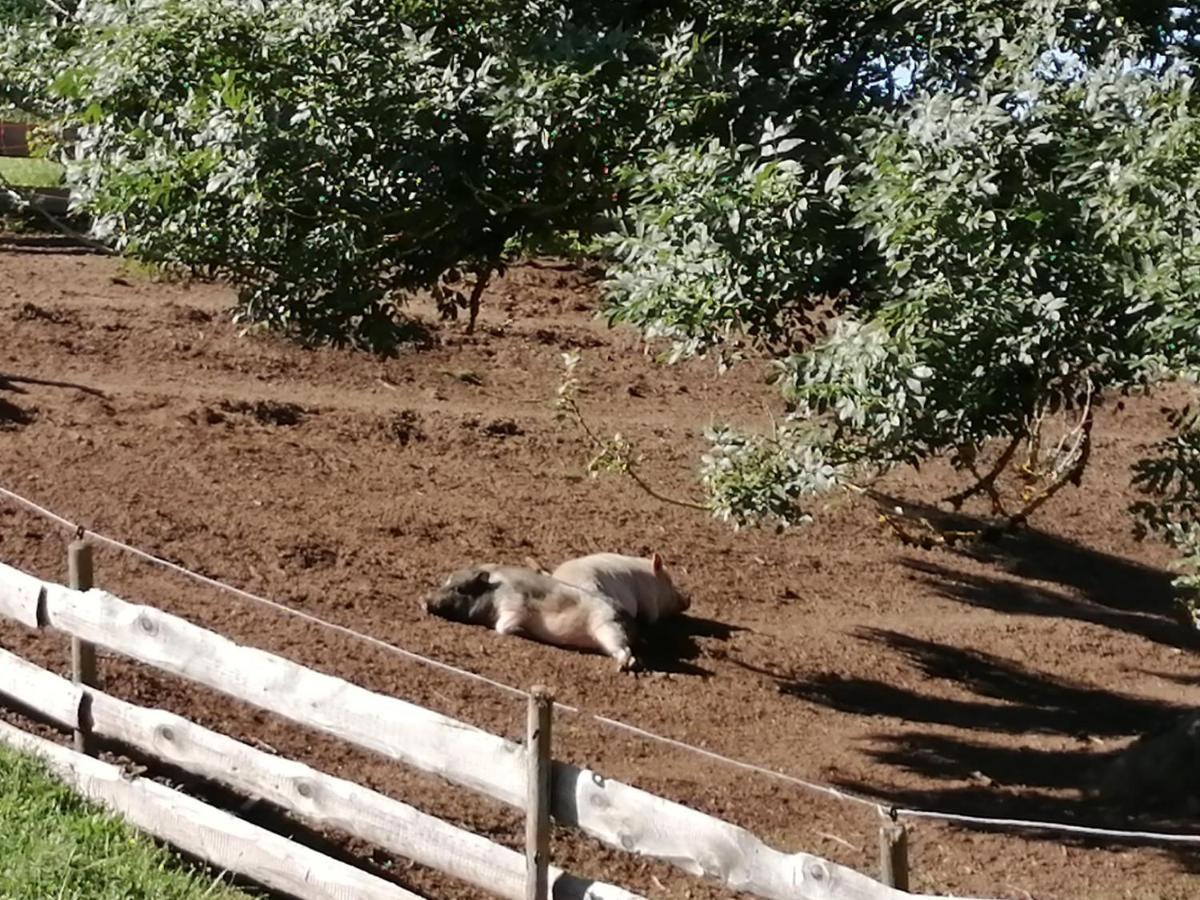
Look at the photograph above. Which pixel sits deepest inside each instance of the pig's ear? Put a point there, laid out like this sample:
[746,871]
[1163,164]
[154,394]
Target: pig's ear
[657,562]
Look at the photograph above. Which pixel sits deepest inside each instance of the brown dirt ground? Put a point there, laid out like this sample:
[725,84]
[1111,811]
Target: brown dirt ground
[987,681]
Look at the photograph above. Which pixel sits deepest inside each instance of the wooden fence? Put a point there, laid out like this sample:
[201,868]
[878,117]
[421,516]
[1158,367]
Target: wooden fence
[525,777]
[14,142]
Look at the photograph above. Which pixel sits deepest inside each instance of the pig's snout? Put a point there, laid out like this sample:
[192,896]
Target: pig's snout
[453,604]
[431,604]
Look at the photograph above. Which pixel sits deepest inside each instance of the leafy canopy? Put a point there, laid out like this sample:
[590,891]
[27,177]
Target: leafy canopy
[999,204]
[942,222]
[332,156]
[1008,236]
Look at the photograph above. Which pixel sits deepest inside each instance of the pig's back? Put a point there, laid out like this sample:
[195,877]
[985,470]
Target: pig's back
[627,582]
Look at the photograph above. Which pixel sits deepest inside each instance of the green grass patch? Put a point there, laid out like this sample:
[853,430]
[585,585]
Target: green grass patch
[55,844]
[26,172]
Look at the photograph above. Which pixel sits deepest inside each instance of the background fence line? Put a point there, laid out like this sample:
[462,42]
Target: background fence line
[14,142]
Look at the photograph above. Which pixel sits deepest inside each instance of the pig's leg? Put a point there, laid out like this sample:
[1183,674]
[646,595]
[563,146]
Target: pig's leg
[613,640]
[509,622]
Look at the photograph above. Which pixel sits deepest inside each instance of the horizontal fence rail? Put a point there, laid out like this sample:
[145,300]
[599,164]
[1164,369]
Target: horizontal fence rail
[211,834]
[411,734]
[319,799]
[14,142]
[56,201]
[616,814]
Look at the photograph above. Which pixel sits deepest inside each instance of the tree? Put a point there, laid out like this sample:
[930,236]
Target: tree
[993,202]
[331,157]
[1005,240]
[12,11]
[1171,480]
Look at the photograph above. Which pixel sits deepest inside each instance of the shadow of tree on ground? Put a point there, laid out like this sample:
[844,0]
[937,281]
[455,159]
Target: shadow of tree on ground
[1099,587]
[1006,596]
[1001,698]
[1009,697]
[13,416]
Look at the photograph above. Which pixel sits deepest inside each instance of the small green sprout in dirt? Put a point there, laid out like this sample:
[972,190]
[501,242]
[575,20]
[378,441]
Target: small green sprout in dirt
[610,453]
[466,376]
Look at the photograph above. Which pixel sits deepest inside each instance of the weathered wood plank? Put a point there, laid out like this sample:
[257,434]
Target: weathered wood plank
[539,770]
[616,814]
[319,799]
[20,596]
[221,839]
[322,799]
[313,796]
[412,734]
[14,138]
[642,823]
[52,695]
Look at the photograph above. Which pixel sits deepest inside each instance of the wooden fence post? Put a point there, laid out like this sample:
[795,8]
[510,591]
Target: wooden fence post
[537,798]
[83,654]
[893,856]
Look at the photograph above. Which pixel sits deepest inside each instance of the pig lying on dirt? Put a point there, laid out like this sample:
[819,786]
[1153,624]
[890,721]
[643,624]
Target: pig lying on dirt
[640,586]
[515,600]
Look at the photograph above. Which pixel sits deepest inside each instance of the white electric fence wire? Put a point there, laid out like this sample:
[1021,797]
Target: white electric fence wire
[884,809]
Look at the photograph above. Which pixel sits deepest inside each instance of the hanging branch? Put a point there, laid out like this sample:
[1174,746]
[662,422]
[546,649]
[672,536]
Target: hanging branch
[613,454]
[481,282]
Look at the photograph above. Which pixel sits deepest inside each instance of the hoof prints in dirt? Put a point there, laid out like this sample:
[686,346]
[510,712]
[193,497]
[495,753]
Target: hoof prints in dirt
[192,315]
[503,428]
[310,556]
[31,312]
[264,412]
[404,427]
[563,339]
[496,428]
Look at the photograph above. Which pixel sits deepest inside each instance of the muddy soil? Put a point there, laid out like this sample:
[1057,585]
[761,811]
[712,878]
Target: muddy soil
[988,680]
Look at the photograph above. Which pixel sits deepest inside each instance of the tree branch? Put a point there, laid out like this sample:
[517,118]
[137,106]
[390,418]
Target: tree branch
[47,382]
[1073,474]
[662,498]
[481,282]
[988,482]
